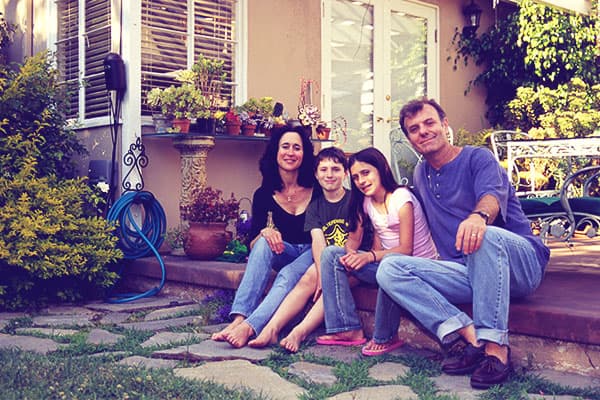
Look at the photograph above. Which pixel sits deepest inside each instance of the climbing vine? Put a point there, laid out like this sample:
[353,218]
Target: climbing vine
[533,46]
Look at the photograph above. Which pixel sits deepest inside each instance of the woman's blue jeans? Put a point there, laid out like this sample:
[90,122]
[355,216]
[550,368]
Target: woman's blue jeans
[504,266]
[340,310]
[291,265]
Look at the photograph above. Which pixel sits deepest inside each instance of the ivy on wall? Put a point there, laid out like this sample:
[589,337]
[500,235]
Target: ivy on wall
[533,46]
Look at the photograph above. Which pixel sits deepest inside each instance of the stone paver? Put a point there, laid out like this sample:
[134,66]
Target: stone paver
[457,385]
[314,373]
[69,310]
[145,362]
[164,338]
[235,374]
[568,379]
[162,324]
[171,312]
[101,336]
[143,304]
[339,353]
[63,320]
[114,318]
[7,316]
[211,350]
[47,331]
[28,343]
[396,392]
[388,371]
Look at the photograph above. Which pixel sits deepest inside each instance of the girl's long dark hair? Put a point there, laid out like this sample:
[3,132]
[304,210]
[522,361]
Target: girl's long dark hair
[269,169]
[374,157]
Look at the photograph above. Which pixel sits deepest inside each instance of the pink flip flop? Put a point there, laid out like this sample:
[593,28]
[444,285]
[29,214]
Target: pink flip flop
[341,342]
[389,346]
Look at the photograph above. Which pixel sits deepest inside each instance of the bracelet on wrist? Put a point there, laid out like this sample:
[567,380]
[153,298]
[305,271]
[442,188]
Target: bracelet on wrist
[374,256]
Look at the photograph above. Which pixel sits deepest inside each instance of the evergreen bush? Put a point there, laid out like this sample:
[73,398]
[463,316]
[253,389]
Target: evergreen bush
[32,103]
[51,248]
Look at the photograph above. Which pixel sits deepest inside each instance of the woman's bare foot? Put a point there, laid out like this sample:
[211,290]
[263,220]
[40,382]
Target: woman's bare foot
[293,340]
[238,336]
[267,337]
[222,334]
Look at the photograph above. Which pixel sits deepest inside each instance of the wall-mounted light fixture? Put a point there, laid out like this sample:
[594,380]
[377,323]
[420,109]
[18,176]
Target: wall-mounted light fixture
[472,14]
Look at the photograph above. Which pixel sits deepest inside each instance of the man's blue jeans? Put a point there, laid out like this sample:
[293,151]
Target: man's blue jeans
[504,266]
[340,310]
[291,264]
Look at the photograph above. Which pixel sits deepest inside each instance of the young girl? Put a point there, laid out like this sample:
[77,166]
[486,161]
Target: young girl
[400,227]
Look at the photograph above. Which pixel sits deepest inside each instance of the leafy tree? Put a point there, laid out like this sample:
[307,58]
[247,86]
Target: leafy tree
[532,46]
[32,102]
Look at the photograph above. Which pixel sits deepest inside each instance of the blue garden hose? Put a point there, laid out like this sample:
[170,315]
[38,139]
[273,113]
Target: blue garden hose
[136,242]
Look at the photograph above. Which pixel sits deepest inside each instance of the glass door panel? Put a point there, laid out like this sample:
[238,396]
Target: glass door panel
[352,70]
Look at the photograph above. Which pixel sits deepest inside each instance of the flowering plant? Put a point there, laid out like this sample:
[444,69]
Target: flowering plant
[247,119]
[231,117]
[208,205]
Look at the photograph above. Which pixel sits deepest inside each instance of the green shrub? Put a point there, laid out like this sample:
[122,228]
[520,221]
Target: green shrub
[32,103]
[51,249]
[570,110]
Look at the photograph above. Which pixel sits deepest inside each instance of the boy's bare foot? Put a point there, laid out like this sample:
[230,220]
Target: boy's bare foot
[293,340]
[222,334]
[267,337]
[238,336]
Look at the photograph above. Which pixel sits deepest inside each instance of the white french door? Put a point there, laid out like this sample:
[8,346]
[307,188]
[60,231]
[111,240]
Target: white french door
[377,55]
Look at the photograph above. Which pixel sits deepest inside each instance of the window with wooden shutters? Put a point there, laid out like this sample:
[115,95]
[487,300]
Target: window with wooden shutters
[170,43]
[83,71]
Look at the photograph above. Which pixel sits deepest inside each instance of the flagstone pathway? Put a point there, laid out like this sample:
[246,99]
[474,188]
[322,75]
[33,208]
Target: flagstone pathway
[233,368]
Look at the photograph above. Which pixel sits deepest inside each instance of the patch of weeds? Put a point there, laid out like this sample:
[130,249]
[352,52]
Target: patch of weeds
[420,384]
[420,365]
[355,374]
[216,307]
[138,316]
[30,375]
[16,323]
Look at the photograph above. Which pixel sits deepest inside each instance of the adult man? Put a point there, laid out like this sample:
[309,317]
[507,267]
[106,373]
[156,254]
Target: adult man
[488,252]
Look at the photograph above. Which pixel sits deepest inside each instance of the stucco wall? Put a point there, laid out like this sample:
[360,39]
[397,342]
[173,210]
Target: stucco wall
[284,46]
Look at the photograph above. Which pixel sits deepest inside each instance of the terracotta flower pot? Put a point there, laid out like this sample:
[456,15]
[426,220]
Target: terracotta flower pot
[248,130]
[232,128]
[182,125]
[206,241]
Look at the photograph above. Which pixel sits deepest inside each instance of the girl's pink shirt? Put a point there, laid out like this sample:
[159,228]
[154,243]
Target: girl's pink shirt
[387,225]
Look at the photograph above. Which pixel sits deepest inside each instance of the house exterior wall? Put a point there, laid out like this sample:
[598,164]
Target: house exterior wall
[284,46]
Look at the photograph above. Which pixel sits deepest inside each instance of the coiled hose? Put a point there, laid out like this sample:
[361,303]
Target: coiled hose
[136,242]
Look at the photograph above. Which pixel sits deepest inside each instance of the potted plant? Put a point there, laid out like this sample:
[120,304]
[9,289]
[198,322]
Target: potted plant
[249,123]
[208,214]
[179,103]
[208,76]
[160,121]
[233,122]
[175,238]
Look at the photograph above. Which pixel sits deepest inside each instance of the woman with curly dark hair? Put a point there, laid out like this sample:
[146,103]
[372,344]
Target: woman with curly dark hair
[277,237]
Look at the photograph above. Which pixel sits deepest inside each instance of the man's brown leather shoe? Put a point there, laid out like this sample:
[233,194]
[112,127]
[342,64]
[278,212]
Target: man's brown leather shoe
[466,362]
[491,372]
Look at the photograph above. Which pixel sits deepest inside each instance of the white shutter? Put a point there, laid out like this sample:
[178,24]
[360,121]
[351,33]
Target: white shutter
[68,50]
[97,46]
